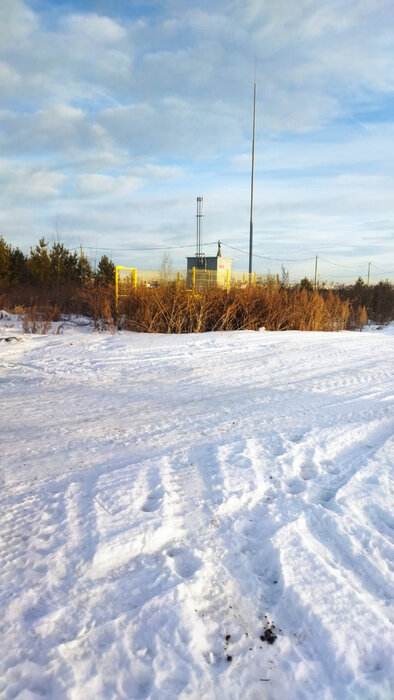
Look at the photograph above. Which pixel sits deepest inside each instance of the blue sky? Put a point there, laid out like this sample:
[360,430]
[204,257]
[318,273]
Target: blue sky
[115,115]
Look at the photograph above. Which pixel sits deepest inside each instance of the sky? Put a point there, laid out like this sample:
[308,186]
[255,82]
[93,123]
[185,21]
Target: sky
[115,115]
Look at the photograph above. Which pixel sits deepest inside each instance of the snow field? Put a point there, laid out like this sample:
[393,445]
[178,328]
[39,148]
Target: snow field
[165,500]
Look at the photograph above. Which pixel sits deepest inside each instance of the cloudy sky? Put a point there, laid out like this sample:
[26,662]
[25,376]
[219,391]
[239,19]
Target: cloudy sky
[116,114]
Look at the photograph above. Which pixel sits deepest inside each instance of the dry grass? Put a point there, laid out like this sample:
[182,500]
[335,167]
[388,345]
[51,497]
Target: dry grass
[172,308]
[97,302]
[38,319]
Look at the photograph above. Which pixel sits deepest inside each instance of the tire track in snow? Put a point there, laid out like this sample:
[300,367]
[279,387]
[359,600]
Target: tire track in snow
[346,637]
[323,462]
[213,597]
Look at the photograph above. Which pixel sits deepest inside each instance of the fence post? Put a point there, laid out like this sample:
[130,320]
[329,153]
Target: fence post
[135,278]
[116,290]
[227,281]
[254,279]
[193,279]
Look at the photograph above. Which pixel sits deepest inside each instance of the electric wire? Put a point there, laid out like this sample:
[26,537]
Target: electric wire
[265,257]
[330,262]
[127,250]
[389,272]
[239,250]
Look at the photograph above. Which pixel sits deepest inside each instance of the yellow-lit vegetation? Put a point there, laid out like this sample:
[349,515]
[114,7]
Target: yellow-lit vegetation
[172,308]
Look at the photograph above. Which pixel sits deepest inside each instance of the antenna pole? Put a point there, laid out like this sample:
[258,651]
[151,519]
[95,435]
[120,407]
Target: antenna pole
[200,216]
[252,182]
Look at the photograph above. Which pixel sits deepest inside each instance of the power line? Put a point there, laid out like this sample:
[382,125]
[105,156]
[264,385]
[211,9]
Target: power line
[126,250]
[265,257]
[389,272]
[341,276]
[330,262]
[239,250]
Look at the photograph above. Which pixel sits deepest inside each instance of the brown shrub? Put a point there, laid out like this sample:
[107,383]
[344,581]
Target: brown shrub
[172,308]
[39,319]
[97,302]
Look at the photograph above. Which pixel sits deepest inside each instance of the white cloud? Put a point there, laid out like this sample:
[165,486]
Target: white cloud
[40,184]
[17,22]
[94,28]
[142,107]
[27,182]
[58,128]
[98,185]
[167,173]
[9,77]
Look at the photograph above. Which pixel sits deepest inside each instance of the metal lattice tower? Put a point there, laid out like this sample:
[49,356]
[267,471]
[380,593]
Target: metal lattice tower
[200,217]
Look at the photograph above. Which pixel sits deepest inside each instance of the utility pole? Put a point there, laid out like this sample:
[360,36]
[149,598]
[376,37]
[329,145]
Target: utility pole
[369,273]
[81,263]
[316,272]
[252,180]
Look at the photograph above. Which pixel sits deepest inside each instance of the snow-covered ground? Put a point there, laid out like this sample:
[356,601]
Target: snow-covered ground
[171,504]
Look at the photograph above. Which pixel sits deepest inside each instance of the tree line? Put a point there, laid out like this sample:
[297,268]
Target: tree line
[58,277]
[50,265]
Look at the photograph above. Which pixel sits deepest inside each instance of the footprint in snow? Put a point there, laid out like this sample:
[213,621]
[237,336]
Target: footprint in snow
[153,502]
[296,438]
[322,495]
[184,562]
[294,486]
[307,471]
[330,466]
[326,494]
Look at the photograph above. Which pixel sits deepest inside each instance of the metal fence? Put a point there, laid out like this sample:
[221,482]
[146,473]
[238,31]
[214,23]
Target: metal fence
[128,278]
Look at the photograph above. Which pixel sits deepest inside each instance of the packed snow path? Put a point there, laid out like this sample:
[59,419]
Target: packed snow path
[171,504]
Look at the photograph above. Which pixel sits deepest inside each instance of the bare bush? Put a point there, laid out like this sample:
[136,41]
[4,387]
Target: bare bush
[172,308]
[97,301]
[37,319]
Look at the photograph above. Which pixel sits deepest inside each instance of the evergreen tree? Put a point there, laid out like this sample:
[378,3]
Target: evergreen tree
[18,273]
[4,260]
[105,270]
[306,284]
[383,302]
[85,272]
[64,265]
[39,264]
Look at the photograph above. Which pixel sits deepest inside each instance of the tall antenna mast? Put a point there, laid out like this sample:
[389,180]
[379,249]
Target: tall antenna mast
[252,178]
[200,216]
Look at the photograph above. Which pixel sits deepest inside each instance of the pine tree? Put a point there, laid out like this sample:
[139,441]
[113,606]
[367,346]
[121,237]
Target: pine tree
[85,271]
[64,265]
[306,284]
[105,270]
[18,273]
[39,265]
[5,251]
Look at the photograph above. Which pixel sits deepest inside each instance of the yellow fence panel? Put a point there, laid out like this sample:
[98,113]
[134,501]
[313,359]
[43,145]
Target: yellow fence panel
[125,282]
[128,278]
